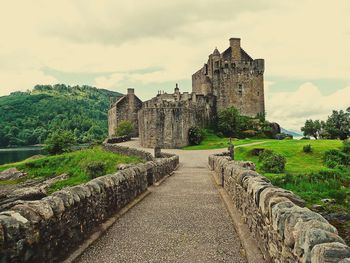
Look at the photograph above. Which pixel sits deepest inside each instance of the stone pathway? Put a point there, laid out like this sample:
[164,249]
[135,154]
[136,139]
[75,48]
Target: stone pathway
[182,220]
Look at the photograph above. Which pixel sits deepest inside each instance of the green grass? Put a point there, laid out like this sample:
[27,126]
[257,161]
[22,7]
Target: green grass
[73,164]
[212,141]
[305,173]
[297,160]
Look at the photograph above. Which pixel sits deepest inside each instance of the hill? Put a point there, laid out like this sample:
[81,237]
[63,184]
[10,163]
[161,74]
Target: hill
[27,118]
[294,134]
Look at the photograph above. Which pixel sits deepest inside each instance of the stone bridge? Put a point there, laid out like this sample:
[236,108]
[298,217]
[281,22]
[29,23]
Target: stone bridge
[210,209]
[190,217]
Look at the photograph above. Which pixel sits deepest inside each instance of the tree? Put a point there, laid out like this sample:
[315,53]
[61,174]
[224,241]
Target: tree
[312,128]
[229,122]
[59,142]
[124,128]
[195,135]
[338,125]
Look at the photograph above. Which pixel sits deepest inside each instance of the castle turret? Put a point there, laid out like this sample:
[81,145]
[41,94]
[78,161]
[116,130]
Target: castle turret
[234,78]
[216,53]
[235,44]
[215,60]
[177,89]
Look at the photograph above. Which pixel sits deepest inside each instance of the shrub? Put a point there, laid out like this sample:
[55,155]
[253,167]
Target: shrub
[229,122]
[265,153]
[195,135]
[305,138]
[59,142]
[124,128]
[220,134]
[307,148]
[257,151]
[249,133]
[333,158]
[95,169]
[282,136]
[272,162]
[346,146]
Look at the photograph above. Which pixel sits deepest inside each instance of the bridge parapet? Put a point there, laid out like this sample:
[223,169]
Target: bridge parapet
[47,230]
[285,230]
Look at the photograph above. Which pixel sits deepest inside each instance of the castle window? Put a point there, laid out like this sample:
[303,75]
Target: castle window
[258,93]
[240,89]
[226,65]
[206,69]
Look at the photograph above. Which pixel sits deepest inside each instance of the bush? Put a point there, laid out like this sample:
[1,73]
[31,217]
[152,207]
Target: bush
[272,162]
[249,133]
[346,146]
[257,151]
[195,135]
[124,128]
[334,158]
[265,153]
[283,136]
[229,122]
[307,148]
[305,138]
[59,142]
[95,169]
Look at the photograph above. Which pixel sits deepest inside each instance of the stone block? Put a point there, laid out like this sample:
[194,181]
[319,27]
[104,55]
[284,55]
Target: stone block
[330,252]
[315,236]
[270,192]
[301,230]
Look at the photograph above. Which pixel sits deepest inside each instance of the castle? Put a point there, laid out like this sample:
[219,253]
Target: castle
[230,78]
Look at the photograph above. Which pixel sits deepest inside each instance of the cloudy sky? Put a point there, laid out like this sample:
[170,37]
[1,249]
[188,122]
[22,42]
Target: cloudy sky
[150,45]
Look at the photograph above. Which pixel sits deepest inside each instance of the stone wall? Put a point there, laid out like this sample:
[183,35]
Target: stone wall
[166,123]
[124,109]
[240,85]
[118,139]
[47,230]
[234,78]
[128,151]
[285,230]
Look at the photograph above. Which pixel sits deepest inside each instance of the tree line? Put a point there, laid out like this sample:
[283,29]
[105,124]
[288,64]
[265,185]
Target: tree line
[337,126]
[28,118]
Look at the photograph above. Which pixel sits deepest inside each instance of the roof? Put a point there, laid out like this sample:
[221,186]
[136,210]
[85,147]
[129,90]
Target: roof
[227,54]
[216,52]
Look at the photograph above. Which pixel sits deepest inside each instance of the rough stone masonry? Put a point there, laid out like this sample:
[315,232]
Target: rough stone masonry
[286,231]
[47,230]
[230,78]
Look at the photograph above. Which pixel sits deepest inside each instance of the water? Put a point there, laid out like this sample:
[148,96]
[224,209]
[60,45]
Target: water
[10,155]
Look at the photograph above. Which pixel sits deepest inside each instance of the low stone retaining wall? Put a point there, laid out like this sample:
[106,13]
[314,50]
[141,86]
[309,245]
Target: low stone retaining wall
[285,230]
[118,139]
[128,151]
[47,230]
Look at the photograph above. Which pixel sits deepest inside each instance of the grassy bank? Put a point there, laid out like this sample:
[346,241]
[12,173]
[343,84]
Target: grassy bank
[305,173]
[73,164]
[212,141]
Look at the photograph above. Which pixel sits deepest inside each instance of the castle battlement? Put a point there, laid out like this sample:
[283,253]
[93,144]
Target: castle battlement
[230,78]
[235,78]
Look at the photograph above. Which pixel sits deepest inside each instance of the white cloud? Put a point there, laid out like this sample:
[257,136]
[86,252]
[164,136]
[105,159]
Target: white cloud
[108,82]
[299,39]
[20,81]
[291,109]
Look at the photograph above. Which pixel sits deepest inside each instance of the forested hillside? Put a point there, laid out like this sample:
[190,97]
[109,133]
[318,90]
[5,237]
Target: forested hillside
[27,118]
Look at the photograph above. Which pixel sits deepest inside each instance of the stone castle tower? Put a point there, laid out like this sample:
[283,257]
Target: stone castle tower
[124,108]
[234,78]
[231,78]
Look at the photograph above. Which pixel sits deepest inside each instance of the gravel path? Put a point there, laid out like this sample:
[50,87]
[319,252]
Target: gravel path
[182,220]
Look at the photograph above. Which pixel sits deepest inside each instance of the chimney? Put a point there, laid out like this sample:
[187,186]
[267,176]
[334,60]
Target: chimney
[131,91]
[177,90]
[235,44]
